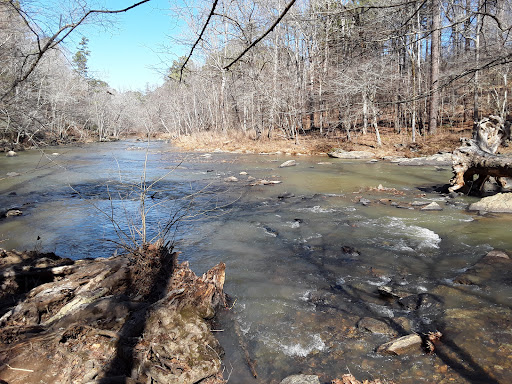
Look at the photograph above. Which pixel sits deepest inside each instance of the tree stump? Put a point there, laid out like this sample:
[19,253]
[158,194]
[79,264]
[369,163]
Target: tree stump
[477,156]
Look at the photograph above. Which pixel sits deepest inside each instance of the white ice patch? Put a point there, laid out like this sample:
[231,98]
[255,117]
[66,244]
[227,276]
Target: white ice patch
[315,343]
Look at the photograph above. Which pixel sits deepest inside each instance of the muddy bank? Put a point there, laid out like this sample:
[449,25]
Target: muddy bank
[104,321]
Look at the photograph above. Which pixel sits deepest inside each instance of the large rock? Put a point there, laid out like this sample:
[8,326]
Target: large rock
[11,154]
[301,379]
[403,345]
[289,163]
[342,154]
[501,202]
[495,266]
[433,206]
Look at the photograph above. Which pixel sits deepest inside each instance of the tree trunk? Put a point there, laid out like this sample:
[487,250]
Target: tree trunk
[477,156]
[435,55]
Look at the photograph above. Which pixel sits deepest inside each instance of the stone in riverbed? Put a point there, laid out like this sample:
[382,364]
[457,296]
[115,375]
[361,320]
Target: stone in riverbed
[364,201]
[11,154]
[418,203]
[422,301]
[289,163]
[231,179]
[495,266]
[13,212]
[401,346]
[341,154]
[499,203]
[433,206]
[301,379]
[375,326]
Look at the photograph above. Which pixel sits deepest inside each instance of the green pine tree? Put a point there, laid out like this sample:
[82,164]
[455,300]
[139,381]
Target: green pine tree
[81,56]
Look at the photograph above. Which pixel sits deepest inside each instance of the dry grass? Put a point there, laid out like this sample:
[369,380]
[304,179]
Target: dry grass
[393,144]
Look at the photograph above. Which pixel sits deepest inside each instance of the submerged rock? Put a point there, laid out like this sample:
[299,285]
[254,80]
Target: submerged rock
[494,267]
[301,379]
[375,326]
[422,301]
[265,182]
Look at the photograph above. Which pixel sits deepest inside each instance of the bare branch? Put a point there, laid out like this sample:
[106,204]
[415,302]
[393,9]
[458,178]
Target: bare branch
[55,39]
[212,12]
[278,20]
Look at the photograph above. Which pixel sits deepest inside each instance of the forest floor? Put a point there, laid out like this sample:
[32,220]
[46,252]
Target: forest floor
[393,144]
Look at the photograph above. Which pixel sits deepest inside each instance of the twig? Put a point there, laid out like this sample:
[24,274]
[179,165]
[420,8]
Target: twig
[212,12]
[19,369]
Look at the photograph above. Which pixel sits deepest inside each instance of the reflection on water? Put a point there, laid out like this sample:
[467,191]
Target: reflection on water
[304,258]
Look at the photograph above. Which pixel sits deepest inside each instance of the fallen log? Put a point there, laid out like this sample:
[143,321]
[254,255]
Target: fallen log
[477,156]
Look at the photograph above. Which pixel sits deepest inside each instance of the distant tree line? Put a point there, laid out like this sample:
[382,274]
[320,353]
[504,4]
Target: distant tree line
[48,95]
[329,66]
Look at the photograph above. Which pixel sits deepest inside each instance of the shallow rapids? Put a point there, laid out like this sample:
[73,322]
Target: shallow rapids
[304,257]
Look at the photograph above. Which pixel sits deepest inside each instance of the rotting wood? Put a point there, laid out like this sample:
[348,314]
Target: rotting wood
[477,156]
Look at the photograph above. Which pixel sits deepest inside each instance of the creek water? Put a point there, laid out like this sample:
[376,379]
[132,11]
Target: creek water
[304,258]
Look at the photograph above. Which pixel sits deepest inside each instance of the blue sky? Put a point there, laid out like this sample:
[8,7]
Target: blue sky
[131,54]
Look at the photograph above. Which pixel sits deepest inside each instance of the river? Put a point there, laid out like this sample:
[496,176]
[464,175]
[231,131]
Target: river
[304,257]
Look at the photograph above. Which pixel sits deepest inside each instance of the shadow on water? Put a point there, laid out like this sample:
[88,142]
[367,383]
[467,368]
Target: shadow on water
[426,313]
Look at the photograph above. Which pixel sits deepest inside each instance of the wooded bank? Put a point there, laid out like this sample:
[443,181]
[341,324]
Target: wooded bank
[345,68]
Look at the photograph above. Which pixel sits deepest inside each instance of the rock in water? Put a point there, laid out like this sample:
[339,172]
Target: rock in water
[11,154]
[432,207]
[341,154]
[375,326]
[289,163]
[403,345]
[500,203]
[301,379]
[364,201]
[13,212]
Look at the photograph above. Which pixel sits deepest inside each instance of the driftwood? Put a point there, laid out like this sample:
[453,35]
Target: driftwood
[477,156]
